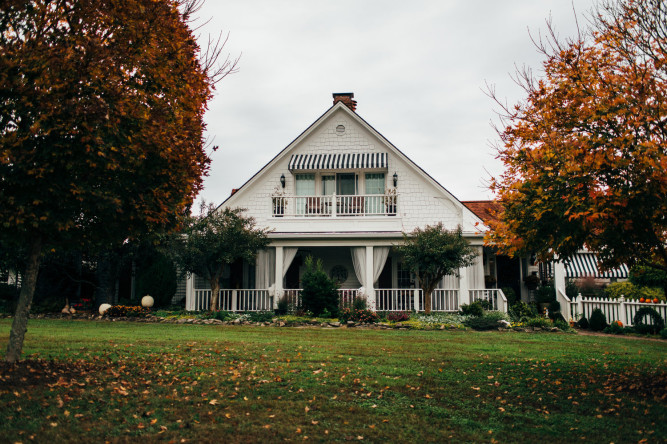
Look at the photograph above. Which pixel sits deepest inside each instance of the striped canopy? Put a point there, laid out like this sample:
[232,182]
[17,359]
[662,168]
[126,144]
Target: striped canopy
[586,265]
[344,161]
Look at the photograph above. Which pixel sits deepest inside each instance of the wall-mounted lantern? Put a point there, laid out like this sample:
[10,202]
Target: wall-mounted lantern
[282,180]
[395,179]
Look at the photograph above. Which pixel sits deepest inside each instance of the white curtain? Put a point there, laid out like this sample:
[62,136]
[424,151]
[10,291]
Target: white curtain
[379,259]
[288,256]
[359,262]
[476,272]
[449,282]
[265,268]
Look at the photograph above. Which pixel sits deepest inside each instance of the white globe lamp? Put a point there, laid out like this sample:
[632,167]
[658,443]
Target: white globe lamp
[104,307]
[147,301]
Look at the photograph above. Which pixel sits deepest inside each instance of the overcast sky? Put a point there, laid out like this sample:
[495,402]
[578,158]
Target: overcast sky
[418,70]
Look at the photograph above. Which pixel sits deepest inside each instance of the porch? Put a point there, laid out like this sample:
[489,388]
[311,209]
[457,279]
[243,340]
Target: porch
[277,274]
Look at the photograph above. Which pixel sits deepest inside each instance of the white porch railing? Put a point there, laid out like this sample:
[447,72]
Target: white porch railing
[494,296]
[445,300]
[613,309]
[334,205]
[398,299]
[346,297]
[235,300]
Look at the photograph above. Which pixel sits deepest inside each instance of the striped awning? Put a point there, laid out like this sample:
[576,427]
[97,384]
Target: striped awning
[344,161]
[586,265]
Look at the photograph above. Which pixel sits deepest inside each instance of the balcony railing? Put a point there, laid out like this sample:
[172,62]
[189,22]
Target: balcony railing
[334,205]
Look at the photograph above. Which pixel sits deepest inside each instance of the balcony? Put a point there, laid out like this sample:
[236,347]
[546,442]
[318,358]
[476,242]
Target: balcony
[362,205]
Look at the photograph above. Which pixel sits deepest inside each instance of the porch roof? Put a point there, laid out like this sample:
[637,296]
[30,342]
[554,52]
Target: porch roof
[338,161]
[586,265]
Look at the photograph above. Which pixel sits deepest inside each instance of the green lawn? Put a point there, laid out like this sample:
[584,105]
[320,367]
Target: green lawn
[96,381]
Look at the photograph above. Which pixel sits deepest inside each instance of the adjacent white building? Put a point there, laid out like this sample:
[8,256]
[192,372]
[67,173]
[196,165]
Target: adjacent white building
[341,192]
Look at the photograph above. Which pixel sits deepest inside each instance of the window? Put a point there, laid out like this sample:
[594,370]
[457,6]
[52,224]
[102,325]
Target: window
[305,186]
[374,201]
[346,184]
[328,185]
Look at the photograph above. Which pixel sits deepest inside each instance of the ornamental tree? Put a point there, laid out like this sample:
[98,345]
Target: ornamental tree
[101,125]
[215,239]
[433,253]
[585,152]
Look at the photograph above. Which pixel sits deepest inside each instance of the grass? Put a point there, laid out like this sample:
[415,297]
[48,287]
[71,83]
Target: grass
[160,382]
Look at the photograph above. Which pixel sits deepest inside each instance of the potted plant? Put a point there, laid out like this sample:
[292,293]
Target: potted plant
[390,201]
[490,281]
[531,281]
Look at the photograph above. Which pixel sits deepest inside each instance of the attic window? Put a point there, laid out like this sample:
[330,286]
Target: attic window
[340,130]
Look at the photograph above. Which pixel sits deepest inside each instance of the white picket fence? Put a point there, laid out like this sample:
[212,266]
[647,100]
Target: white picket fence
[235,300]
[614,309]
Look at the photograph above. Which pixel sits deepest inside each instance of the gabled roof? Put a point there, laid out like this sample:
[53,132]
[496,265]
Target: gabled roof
[352,114]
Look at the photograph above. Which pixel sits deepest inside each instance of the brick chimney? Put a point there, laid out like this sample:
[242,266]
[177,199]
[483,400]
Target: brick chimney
[346,98]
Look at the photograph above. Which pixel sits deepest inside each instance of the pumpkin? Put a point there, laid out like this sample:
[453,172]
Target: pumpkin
[655,300]
[618,323]
[641,299]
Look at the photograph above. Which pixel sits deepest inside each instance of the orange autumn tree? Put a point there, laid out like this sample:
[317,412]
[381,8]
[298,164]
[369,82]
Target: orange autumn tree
[585,153]
[101,125]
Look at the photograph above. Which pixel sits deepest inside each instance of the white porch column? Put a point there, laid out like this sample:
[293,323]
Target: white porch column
[464,294]
[279,275]
[370,289]
[189,292]
[559,277]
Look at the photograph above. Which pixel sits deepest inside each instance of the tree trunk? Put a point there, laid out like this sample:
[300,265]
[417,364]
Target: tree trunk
[106,278]
[20,323]
[215,294]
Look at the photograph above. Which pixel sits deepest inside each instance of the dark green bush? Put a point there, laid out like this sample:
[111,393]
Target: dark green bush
[521,311]
[557,316]
[222,315]
[539,321]
[360,304]
[488,321]
[583,323]
[283,306]
[259,316]
[663,333]
[319,291]
[562,325]
[474,309]
[615,329]
[640,324]
[598,320]
[545,293]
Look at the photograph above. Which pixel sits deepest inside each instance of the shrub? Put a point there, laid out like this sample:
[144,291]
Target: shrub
[116,311]
[598,320]
[545,293]
[539,321]
[362,316]
[663,333]
[510,295]
[222,315]
[259,316]
[319,291]
[521,311]
[474,309]
[488,320]
[562,324]
[554,307]
[283,306]
[360,303]
[643,276]
[557,316]
[398,316]
[583,323]
[640,324]
[616,328]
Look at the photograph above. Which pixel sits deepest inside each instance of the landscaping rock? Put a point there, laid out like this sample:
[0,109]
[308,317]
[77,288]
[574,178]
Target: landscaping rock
[350,323]
[504,324]
[334,324]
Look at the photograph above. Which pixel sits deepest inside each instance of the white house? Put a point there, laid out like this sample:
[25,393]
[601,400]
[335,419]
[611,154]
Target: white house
[341,192]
